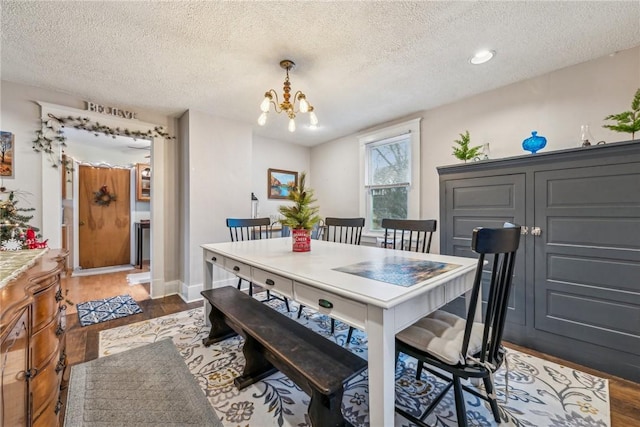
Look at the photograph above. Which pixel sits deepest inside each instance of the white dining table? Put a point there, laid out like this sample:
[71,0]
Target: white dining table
[380,308]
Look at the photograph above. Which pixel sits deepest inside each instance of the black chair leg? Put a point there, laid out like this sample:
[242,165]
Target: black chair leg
[250,289]
[419,370]
[488,386]
[239,283]
[286,303]
[349,334]
[333,325]
[268,295]
[460,406]
[300,310]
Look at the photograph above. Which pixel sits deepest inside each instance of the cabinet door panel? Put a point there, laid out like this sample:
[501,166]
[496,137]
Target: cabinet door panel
[486,202]
[13,364]
[587,259]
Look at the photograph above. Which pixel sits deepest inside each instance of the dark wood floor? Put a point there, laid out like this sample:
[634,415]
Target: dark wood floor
[82,343]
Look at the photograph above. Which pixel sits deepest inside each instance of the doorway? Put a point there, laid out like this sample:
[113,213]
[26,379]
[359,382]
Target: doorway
[52,194]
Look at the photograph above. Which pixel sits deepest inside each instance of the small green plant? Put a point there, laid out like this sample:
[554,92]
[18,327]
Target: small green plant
[628,121]
[300,215]
[463,151]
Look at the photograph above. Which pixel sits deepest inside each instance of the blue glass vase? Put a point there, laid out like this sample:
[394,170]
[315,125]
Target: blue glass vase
[535,143]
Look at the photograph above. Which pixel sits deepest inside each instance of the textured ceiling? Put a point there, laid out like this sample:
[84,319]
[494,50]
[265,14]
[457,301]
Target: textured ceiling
[359,63]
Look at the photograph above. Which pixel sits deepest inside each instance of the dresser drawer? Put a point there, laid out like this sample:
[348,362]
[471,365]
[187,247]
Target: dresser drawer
[50,415]
[273,282]
[237,268]
[46,305]
[338,307]
[47,341]
[215,259]
[45,385]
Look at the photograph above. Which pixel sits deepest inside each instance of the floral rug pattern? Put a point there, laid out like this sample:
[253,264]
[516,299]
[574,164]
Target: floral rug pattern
[540,393]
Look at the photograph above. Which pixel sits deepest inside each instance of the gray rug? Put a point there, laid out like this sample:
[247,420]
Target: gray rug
[147,386]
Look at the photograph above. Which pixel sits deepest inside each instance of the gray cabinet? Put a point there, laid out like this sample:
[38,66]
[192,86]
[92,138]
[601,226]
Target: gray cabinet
[576,288]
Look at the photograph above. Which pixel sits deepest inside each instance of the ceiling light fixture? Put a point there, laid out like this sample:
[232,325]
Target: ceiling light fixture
[482,56]
[286,106]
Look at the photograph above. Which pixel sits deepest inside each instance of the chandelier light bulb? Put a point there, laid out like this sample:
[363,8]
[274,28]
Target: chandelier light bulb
[304,105]
[264,106]
[313,119]
[292,125]
[262,119]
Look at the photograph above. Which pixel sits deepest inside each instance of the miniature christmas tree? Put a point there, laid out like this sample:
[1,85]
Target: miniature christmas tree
[15,231]
[300,215]
[463,151]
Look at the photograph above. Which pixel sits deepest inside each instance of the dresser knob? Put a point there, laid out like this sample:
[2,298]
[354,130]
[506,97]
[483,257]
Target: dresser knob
[270,282]
[325,303]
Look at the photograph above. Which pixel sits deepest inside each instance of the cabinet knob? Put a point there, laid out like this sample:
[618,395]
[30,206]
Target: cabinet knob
[236,268]
[270,282]
[524,230]
[536,231]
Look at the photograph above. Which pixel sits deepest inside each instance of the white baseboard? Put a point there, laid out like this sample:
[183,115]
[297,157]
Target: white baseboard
[192,293]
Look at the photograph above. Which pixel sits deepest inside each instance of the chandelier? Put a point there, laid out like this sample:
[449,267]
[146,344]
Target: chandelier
[287,106]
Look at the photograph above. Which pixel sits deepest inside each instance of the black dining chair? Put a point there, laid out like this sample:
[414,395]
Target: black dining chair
[241,229]
[408,234]
[461,347]
[339,230]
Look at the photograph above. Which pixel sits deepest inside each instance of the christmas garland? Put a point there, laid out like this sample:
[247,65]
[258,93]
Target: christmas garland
[103,197]
[51,135]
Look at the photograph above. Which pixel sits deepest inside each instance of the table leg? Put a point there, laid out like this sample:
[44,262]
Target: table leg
[139,245]
[381,337]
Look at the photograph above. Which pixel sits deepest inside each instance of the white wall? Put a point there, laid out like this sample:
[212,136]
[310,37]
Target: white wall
[218,157]
[555,105]
[270,153]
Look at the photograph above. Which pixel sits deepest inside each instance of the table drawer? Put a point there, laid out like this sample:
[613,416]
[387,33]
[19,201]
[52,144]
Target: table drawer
[237,268]
[273,282]
[215,259]
[352,312]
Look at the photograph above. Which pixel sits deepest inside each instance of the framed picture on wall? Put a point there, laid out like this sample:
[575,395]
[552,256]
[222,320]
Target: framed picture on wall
[280,183]
[6,154]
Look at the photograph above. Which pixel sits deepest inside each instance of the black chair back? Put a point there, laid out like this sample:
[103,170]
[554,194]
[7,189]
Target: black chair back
[343,230]
[409,234]
[249,228]
[501,244]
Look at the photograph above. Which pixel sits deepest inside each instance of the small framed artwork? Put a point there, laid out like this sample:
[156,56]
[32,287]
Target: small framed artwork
[280,183]
[6,154]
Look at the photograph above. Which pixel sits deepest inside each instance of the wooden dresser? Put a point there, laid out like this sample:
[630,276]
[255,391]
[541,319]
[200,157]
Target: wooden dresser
[32,341]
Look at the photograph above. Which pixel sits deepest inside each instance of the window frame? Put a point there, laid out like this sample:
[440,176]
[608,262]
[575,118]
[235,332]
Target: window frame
[412,128]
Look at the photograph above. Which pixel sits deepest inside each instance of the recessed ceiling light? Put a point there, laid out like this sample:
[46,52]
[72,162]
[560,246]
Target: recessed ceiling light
[482,56]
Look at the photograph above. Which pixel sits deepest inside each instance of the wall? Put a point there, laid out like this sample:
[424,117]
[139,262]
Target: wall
[218,157]
[555,105]
[269,153]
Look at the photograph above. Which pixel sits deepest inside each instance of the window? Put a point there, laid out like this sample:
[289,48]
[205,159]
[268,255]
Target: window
[390,174]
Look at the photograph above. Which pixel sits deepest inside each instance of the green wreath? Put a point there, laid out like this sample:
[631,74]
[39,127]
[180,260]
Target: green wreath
[102,197]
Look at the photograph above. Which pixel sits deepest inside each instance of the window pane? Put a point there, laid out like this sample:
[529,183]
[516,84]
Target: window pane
[389,163]
[388,202]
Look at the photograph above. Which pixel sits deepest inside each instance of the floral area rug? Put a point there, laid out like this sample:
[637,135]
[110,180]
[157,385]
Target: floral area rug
[104,309]
[541,393]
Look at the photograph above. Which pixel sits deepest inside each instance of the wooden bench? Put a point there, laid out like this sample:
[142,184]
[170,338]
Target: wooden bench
[273,342]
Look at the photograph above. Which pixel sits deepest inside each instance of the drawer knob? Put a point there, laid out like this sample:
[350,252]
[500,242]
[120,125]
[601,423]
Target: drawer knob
[236,268]
[325,303]
[270,282]
[214,259]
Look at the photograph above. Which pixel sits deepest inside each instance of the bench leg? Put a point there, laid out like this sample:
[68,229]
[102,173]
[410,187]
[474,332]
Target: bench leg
[325,411]
[256,367]
[219,328]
